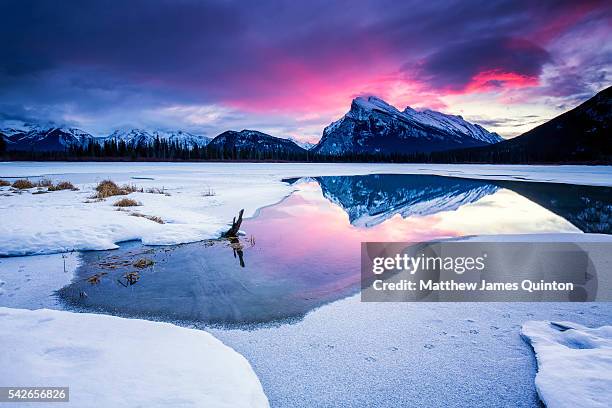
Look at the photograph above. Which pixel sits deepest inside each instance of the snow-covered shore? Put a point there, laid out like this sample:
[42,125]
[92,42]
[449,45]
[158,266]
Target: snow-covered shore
[574,363]
[201,198]
[113,362]
[572,174]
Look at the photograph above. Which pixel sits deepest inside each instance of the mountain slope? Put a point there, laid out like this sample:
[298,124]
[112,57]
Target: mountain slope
[374,126]
[135,137]
[41,139]
[581,134]
[254,141]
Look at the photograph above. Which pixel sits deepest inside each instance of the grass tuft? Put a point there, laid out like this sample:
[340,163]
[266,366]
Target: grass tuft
[108,188]
[156,190]
[143,263]
[44,182]
[23,184]
[209,193]
[63,185]
[148,217]
[126,202]
[4,183]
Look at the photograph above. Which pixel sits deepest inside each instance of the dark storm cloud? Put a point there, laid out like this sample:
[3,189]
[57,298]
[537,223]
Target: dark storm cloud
[455,65]
[197,44]
[90,56]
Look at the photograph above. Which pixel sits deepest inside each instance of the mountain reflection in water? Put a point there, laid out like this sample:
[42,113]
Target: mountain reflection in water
[304,251]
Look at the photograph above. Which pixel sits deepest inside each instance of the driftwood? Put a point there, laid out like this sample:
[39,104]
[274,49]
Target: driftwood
[233,231]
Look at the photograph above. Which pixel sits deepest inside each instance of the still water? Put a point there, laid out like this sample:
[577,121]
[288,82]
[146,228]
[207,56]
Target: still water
[304,252]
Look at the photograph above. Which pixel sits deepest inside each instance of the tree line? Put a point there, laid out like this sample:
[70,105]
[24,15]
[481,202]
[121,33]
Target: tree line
[164,150]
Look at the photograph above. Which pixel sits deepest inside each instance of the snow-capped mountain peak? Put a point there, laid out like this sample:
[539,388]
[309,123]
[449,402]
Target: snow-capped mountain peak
[373,126]
[362,107]
[44,138]
[134,137]
[302,144]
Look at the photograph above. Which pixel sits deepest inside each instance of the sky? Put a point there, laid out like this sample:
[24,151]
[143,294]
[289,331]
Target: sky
[290,68]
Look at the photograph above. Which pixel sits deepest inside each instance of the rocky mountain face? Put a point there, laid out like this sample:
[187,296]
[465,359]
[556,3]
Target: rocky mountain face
[39,138]
[135,137]
[254,141]
[36,138]
[373,126]
[370,200]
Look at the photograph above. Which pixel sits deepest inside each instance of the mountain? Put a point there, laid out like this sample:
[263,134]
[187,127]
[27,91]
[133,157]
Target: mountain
[44,139]
[374,126]
[135,137]
[579,135]
[370,200]
[254,141]
[303,145]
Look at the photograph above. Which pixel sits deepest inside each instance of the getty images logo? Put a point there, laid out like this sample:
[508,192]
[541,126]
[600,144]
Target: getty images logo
[412,264]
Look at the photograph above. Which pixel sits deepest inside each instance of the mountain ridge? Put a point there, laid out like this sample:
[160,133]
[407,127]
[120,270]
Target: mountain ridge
[582,134]
[251,140]
[374,126]
[53,138]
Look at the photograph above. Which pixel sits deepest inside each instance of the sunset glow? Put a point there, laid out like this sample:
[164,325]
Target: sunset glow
[207,67]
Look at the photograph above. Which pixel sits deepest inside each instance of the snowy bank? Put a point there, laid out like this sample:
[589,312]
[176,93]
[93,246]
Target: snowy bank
[192,206]
[198,200]
[113,362]
[574,363]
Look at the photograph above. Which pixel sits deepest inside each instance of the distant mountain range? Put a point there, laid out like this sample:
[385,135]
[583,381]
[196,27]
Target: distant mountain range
[39,138]
[134,137]
[255,142]
[374,126]
[45,139]
[371,126]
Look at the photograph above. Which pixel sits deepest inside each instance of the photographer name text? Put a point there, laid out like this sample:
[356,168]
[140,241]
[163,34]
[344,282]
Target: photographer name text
[482,286]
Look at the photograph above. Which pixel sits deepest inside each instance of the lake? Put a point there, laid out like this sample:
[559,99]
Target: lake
[286,295]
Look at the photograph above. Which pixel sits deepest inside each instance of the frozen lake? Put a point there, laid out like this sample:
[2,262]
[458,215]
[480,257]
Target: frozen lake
[286,296]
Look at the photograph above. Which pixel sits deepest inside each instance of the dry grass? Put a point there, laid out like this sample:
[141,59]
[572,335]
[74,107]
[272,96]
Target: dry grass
[148,217]
[4,183]
[209,193]
[126,202]
[156,190]
[95,279]
[44,182]
[143,263]
[23,184]
[130,278]
[62,185]
[108,188]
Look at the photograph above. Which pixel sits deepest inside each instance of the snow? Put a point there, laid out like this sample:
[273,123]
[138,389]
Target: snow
[403,354]
[367,105]
[66,220]
[574,363]
[29,282]
[141,136]
[113,362]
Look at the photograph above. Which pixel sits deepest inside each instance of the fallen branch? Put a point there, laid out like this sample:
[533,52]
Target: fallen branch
[233,231]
